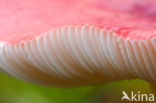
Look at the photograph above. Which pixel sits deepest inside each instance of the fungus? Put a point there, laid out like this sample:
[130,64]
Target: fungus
[78,42]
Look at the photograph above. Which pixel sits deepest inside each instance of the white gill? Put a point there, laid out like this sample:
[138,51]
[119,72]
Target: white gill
[77,55]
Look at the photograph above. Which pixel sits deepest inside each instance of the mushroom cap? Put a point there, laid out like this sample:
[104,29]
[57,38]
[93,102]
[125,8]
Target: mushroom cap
[80,42]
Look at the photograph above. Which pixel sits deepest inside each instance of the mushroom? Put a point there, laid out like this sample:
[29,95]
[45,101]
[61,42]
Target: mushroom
[73,43]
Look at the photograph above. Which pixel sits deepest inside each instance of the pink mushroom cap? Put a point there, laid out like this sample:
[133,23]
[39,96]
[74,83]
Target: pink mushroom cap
[78,42]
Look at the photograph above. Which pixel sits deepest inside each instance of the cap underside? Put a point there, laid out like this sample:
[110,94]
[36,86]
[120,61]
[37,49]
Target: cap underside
[79,55]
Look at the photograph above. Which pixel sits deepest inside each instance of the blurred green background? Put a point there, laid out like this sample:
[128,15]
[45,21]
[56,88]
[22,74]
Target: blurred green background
[17,91]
